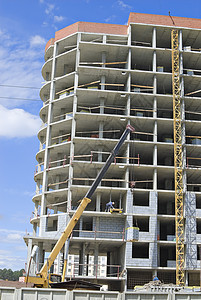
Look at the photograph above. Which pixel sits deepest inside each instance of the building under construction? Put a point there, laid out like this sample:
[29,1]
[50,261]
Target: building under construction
[99,78]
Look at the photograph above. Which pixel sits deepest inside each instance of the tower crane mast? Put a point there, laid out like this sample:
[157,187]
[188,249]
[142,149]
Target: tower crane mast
[178,160]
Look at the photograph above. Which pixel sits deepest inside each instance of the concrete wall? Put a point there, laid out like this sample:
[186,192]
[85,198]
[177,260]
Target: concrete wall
[150,237]
[105,227]
[62,221]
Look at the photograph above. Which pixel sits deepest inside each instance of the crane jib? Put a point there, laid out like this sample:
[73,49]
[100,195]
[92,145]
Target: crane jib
[110,159]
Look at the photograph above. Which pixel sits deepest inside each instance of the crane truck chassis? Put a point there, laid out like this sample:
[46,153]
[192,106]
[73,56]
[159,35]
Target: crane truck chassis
[43,278]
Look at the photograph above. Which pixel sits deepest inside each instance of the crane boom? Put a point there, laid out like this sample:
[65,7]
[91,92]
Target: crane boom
[42,278]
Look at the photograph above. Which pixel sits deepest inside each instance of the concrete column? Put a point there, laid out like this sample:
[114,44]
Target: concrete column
[40,255]
[102,104]
[29,249]
[186,278]
[103,58]
[77,60]
[81,224]
[155,179]
[155,85]
[129,35]
[128,106]
[103,82]
[48,135]
[154,62]
[96,259]
[104,39]
[128,84]
[155,130]
[155,156]
[128,65]
[101,126]
[180,40]
[98,201]
[39,165]
[154,37]
[155,108]
[158,229]
[100,149]
[36,209]
[41,146]
[34,229]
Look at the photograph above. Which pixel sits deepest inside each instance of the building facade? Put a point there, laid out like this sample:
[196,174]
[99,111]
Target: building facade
[98,79]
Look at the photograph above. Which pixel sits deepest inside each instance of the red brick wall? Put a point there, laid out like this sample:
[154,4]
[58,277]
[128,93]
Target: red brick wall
[103,28]
[66,31]
[49,43]
[164,20]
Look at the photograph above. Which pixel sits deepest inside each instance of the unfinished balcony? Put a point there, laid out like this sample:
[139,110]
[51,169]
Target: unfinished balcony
[141,58]
[67,44]
[141,35]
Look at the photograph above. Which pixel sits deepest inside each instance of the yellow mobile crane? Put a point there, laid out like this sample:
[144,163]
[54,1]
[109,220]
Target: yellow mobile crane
[43,279]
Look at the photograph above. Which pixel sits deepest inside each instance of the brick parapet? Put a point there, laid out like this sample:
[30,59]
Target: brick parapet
[164,20]
[49,43]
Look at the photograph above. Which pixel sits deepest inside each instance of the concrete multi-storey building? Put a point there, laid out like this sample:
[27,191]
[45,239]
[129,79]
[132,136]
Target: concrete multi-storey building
[98,79]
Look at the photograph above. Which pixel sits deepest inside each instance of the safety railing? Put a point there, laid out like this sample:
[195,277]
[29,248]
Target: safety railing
[93,157]
[94,234]
[97,85]
[115,64]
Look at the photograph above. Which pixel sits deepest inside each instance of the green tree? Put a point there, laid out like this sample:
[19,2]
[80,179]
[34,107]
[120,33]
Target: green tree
[10,275]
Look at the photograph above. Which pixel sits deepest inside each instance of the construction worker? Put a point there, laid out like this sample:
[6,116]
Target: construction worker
[109,206]
[155,278]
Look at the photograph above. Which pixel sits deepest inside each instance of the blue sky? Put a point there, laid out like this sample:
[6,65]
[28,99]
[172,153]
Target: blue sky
[25,27]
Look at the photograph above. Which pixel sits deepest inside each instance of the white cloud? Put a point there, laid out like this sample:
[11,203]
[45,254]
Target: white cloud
[10,231]
[18,123]
[49,8]
[20,65]
[110,19]
[58,18]
[10,261]
[123,4]
[14,236]
[37,40]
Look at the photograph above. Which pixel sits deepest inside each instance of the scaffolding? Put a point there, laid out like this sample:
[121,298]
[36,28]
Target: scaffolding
[179,220]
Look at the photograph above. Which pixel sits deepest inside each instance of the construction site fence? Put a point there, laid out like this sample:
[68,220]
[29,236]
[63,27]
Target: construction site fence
[7,293]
